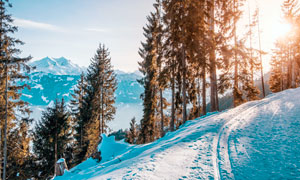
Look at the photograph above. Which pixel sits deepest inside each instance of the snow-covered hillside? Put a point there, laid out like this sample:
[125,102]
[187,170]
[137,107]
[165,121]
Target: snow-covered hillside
[257,140]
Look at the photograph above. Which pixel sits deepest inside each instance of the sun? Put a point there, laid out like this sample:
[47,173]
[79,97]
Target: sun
[281,29]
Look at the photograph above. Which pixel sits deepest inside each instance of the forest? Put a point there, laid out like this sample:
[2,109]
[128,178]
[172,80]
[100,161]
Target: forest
[192,49]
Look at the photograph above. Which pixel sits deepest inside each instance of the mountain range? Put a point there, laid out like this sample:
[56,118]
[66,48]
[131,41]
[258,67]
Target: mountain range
[57,66]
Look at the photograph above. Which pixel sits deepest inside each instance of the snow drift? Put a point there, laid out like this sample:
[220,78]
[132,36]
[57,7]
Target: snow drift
[257,140]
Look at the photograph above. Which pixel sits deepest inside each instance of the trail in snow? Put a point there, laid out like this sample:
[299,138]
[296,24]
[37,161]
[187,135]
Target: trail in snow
[257,140]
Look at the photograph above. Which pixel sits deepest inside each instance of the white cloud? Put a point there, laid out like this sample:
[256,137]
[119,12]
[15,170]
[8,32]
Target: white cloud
[96,29]
[36,25]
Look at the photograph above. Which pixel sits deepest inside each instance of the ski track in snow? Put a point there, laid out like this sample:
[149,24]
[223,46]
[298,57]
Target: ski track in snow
[222,160]
[257,140]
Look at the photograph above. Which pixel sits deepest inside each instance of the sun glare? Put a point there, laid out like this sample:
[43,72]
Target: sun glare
[281,29]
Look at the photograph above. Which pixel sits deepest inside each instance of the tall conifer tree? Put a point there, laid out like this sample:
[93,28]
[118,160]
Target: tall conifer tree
[99,99]
[78,119]
[52,137]
[148,66]
[10,73]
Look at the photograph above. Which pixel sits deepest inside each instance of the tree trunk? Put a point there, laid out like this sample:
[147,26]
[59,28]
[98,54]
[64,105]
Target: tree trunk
[0,152]
[55,147]
[261,62]
[204,91]
[162,133]
[250,43]
[80,107]
[293,69]
[281,76]
[81,135]
[5,125]
[213,68]
[102,111]
[184,117]
[236,102]
[236,83]
[5,106]
[199,97]
[173,100]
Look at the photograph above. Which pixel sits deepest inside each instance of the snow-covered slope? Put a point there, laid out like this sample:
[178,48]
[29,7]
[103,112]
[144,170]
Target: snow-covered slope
[257,140]
[56,66]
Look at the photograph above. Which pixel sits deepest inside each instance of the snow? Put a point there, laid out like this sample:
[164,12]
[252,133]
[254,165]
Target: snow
[61,160]
[70,79]
[36,113]
[38,86]
[67,94]
[26,95]
[57,66]
[51,104]
[45,99]
[257,140]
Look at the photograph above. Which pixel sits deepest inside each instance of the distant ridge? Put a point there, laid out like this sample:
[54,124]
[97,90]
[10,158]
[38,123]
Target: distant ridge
[57,66]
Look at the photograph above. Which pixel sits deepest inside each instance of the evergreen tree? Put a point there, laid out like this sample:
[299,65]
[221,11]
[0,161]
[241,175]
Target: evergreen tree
[148,66]
[182,32]
[253,62]
[159,60]
[132,134]
[10,74]
[98,103]
[212,56]
[276,81]
[19,155]
[78,119]
[52,138]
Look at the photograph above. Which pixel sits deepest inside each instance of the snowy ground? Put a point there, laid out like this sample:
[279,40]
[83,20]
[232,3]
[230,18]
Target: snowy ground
[257,140]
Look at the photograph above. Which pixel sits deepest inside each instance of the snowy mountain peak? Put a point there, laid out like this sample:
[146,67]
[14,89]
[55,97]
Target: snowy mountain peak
[45,62]
[56,66]
[63,61]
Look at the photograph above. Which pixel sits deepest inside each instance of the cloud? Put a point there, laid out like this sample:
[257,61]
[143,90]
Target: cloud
[36,25]
[96,29]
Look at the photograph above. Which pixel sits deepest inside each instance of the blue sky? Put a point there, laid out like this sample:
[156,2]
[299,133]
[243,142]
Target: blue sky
[74,28]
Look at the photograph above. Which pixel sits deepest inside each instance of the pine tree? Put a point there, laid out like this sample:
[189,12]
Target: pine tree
[52,138]
[99,99]
[276,76]
[10,74]
[148,66]
[187,34]
[253,63]
[132,134]
[78,119]
[159,60]
[18,144]
[212,57]
[174,18]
